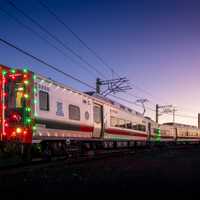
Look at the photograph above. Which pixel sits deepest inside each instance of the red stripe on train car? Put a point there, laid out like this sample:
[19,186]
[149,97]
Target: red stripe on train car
[86,128]
[122,132]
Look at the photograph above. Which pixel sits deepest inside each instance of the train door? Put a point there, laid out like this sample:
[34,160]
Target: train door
[98,120]
[149,131]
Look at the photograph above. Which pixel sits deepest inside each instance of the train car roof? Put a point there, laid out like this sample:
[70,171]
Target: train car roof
[91,95]
[179,125]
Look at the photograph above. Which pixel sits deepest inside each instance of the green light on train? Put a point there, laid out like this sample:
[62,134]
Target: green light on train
[4,72]
[158,135]
[13,71]
[25,70]
[28,109]
[28,120]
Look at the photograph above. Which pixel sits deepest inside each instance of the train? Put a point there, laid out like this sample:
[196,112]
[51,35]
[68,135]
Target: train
[40,114]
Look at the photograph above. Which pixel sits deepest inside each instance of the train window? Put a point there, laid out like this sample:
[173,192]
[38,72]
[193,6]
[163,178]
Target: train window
[74,112]
[97,114]
[139,127]
[87,115]
[128,125]
[113,121]
[44,100]
[59,110]
[121,123]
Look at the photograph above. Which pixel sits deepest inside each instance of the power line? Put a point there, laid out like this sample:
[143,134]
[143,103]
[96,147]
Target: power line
[75,35]
[42,38]
[68,48]
[55,38]
[44,5]
[74,78]
[44,63]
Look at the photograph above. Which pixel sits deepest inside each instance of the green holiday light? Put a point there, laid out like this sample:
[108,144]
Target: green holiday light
[28,109]
[34,128]
[35,101]
[13,71]
[158,135]
[34,77]
[4,72]
[34,90]
[28,120]
[25,70]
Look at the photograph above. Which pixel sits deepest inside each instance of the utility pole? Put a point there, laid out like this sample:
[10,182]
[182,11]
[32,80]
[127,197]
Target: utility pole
[98,84]
[113,85]
[157,113]
[142,101]
[173,115]
[167,110]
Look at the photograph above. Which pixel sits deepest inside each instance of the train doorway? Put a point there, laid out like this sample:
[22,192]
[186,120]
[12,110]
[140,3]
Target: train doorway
[98,120]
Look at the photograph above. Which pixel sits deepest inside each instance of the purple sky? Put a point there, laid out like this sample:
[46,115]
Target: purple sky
[154,43]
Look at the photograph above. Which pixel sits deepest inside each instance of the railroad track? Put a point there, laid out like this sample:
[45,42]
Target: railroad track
[38,162]
[68,160]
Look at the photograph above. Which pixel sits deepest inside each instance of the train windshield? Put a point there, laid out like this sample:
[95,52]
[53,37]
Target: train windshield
[15,101]
[15,97]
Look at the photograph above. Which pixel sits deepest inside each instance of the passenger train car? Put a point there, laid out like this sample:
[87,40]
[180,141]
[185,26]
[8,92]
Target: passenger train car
[38,110]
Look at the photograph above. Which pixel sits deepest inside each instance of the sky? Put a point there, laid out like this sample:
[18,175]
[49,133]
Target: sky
[155,44]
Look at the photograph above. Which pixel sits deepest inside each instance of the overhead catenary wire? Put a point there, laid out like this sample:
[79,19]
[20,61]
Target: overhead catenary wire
[44,62]
[56,39]
[43,39]
[68,28]
[139,88]
[51,12]
[72,77]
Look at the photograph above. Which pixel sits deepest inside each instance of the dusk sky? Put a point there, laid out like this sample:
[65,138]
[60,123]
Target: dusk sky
[156,44]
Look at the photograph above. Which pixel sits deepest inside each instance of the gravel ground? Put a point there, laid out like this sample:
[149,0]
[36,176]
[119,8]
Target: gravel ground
[146,173]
